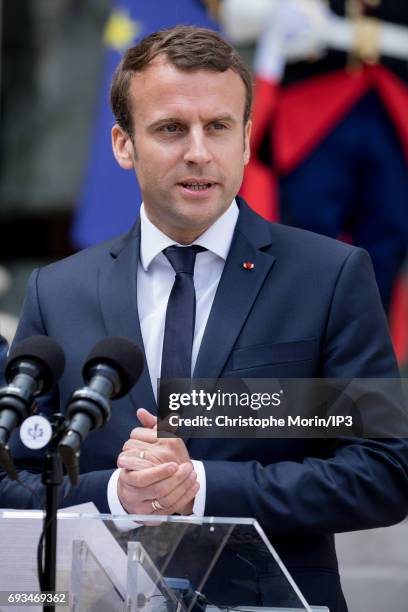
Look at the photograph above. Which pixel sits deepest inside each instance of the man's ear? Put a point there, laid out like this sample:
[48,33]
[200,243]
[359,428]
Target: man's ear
[122,147]
[247,140]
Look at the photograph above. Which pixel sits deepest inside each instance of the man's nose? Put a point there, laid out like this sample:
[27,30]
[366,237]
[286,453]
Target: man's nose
[197,151]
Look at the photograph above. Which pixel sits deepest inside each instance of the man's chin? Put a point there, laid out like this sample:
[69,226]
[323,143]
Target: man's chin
[189,226]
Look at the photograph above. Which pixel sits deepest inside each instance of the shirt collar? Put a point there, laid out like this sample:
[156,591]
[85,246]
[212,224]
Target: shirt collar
[217,238]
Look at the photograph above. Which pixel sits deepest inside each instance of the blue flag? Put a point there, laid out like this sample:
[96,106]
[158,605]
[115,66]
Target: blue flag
[110,198]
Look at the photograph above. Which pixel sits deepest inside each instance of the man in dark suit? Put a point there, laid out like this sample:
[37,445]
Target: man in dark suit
[271,301]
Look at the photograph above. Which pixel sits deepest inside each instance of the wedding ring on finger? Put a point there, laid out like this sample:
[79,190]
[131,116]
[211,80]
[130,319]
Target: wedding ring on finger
[156,505]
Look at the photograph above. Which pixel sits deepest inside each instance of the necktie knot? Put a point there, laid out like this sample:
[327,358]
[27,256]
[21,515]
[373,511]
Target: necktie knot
[182,259]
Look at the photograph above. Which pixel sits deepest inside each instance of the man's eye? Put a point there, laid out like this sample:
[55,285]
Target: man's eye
[219,126]
[171,128]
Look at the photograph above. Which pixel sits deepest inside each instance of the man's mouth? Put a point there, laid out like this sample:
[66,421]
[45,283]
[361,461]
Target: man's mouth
[197,185]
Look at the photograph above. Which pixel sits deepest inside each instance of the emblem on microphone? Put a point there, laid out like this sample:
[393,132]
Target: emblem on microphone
[35,432]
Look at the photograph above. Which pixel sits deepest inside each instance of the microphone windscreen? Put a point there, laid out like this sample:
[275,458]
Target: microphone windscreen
[122,355]
[45,352]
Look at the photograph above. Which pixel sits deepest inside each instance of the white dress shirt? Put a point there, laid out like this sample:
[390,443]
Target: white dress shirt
[155,278]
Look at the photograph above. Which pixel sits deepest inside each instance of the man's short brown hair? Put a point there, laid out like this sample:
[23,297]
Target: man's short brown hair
[185,47]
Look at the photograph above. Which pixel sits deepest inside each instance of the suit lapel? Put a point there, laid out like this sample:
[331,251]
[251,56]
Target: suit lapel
[118,302]
[236,293]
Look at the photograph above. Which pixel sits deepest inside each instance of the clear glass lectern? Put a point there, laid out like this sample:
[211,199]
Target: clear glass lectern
[166,564]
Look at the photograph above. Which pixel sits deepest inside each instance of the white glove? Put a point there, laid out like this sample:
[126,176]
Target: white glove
[294,30]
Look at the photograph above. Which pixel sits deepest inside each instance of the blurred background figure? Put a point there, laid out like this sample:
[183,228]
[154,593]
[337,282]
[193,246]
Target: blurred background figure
[331,120]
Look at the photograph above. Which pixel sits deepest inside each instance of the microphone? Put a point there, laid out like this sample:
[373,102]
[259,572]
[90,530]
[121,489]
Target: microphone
[113,367]
[33,366]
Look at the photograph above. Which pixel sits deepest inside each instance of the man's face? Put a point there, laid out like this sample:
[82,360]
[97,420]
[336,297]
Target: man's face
[189,145]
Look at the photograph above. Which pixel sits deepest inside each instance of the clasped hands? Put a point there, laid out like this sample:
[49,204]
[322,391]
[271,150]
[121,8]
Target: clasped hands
[157,476]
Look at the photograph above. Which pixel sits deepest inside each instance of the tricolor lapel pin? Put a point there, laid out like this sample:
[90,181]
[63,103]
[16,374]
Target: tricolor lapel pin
[248,265]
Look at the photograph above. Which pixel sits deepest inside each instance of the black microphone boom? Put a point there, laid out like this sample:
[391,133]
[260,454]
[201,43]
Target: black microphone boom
[111,370]
[33,366]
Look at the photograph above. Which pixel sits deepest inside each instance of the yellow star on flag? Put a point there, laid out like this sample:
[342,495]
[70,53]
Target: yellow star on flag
[120,30]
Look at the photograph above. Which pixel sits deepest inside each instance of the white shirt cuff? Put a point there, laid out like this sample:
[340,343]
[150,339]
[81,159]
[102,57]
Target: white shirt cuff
[199,502]
[115,506]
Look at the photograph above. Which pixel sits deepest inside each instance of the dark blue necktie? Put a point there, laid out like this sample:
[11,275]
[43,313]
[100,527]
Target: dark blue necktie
[180,314]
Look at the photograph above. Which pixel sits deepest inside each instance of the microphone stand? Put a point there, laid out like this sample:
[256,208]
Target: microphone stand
[52,477]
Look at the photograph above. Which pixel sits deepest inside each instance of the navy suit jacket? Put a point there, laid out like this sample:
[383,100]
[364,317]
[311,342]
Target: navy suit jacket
[309,308]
